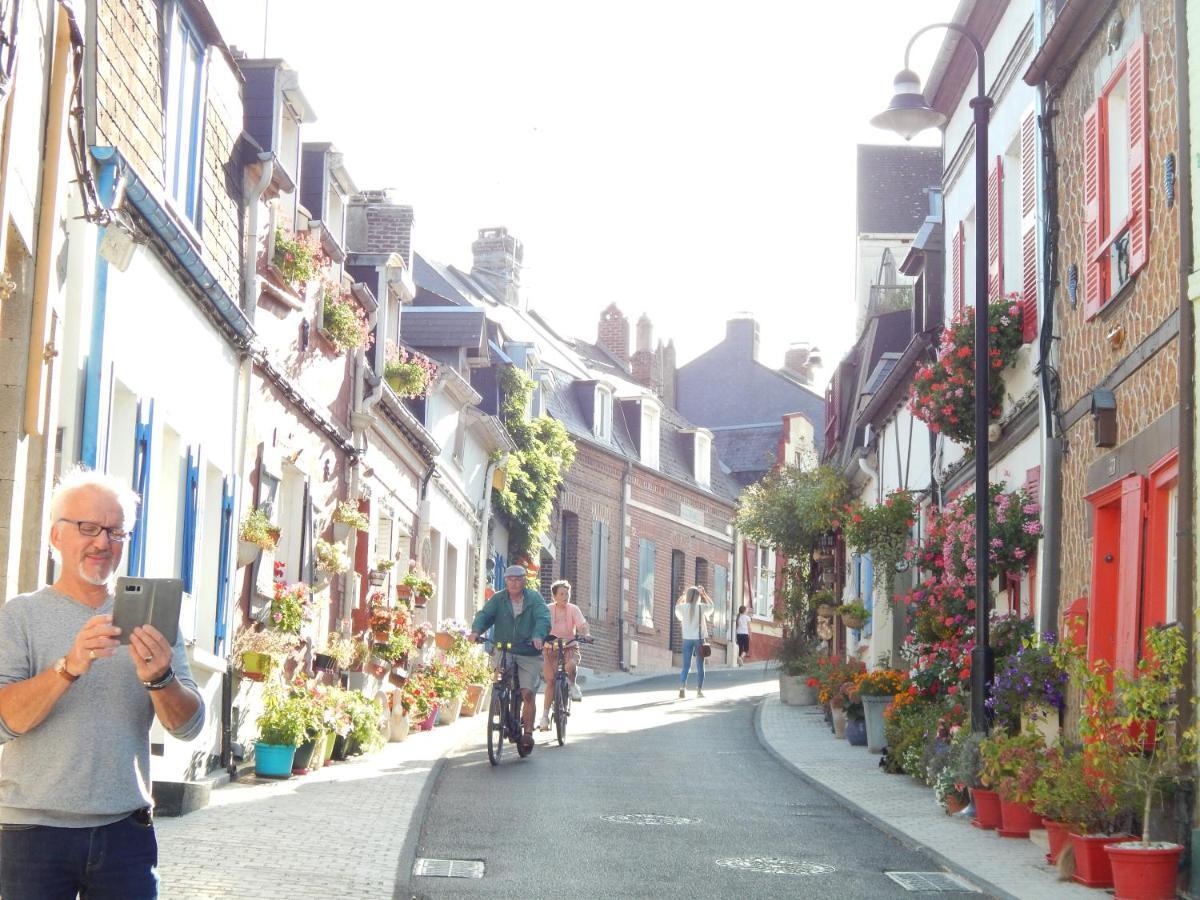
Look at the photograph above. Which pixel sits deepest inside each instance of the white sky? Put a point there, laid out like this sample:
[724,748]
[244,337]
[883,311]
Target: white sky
[688,159]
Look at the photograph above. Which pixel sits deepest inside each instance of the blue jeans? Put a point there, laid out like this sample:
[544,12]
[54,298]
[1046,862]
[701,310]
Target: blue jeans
[113,862]
[689,648]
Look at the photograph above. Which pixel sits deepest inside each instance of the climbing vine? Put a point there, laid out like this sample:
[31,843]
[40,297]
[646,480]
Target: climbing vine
[535,469]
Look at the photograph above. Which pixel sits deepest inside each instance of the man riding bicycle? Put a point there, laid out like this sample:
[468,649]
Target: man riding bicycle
[518,615]
[566,622]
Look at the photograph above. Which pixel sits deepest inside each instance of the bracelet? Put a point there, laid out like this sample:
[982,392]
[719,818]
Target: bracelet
[166,678]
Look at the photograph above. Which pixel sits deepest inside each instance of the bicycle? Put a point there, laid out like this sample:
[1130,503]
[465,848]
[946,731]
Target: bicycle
[504,710]
[562,685]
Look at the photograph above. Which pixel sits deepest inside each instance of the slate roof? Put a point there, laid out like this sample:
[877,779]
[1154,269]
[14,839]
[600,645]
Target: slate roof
[883,369]
[892,183]
[749,452]
[442,326]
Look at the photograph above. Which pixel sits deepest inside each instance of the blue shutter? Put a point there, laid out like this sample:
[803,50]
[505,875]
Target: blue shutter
[223,565]
[142,451]
[191,517]
[868,593]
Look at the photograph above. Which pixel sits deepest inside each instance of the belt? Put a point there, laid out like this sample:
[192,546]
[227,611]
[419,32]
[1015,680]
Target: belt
[143,816]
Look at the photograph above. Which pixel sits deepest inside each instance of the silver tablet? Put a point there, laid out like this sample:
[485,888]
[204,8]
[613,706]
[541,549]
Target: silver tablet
[148,601]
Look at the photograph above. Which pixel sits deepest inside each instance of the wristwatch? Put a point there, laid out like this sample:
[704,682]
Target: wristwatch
[61,668]
[161,682]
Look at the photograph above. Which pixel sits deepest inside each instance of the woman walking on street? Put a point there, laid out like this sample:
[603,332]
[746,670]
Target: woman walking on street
[692,610]
[743,635]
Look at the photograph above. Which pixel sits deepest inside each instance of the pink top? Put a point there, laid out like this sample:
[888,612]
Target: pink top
[566,621]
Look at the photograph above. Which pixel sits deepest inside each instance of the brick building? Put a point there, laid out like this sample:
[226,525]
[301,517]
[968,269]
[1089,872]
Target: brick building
[1109,74]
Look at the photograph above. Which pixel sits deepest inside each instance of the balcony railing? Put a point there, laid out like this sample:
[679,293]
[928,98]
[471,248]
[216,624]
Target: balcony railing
[886,298]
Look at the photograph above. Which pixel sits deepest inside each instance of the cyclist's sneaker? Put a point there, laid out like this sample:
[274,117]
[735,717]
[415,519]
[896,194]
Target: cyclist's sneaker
[525,745]
[576,694]
[699,693]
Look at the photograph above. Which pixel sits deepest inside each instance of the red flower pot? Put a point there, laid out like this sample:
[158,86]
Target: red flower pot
[427,722]
[987,809]
[1092,868]
[1057,833]
[1017,819]
[1144,873]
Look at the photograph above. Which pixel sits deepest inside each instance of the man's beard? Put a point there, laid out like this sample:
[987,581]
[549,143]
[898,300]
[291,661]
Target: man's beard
[97,580]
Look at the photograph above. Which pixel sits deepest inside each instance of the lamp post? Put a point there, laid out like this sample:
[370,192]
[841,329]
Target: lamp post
[908,114]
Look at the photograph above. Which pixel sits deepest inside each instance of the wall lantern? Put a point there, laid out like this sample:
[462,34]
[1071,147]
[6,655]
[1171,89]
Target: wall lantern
[1104,418]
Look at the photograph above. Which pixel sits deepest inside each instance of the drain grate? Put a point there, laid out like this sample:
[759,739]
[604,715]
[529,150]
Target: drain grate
[932,882]
[448,868]
[649,819]
[771,865]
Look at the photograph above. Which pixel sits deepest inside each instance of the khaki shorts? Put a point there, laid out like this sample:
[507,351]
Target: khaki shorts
[550,654]
[529,669]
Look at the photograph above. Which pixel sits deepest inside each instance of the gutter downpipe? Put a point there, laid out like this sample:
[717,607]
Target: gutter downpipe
[621,666]
[360,409]
[241,439]
[41,345]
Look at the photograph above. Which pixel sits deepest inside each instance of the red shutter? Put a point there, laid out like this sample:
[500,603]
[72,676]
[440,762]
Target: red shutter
[1029,257]
[1129,577]
[1093,291]
[1033,483]
[995,227]
[956,273]
[1139,168]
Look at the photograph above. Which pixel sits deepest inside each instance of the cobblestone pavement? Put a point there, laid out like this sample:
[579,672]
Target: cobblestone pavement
[1005,867]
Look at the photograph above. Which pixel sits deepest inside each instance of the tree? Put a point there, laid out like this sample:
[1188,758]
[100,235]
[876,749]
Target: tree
[790,508]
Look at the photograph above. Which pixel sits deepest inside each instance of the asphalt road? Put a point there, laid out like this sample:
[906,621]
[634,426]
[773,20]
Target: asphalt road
[544,826]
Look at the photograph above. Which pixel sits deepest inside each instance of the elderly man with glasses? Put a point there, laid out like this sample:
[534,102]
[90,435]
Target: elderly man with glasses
[75,714]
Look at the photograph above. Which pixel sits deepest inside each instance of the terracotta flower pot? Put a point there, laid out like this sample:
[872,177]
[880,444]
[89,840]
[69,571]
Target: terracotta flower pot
[987,808]
[381,636]
[377,666]
[420,600]
[853,621]
[1057,834]
[1144,873]
[1092,866]
[471,701]
[1017,819]
[444,640]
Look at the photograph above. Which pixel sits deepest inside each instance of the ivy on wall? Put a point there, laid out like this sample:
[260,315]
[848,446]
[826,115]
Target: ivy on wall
[535,469]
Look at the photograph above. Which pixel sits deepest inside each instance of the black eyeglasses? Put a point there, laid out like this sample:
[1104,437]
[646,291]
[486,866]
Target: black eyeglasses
[93,529]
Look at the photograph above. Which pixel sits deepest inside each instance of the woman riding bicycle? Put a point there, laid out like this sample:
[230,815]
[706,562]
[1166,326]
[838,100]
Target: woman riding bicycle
[566,622]
[521,618]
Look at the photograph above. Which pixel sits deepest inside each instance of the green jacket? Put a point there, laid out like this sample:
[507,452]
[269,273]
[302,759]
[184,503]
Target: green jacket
[533,622]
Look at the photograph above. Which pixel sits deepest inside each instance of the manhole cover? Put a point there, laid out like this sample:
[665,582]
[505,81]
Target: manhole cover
[932,882]
[649,819]
[448,868]
[772,865]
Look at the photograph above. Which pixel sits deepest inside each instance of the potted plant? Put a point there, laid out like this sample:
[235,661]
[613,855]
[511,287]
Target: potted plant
[968,762]
[291,607]
[798,659]
[397,648]
[297,258]
[336,654]
[1053,796]
[449,685]
[854,615]
[343,320]
[420,702]
[256,533]
[876,689]
[1028,688]
[961,771]
[368,724]
[347,517]
[856,728]
[1011,764]
[281,728]
[1159,755]
[330,558]
[377,664]
[452,635]
[257,652]
[477,669]
[407,373]
[825,604]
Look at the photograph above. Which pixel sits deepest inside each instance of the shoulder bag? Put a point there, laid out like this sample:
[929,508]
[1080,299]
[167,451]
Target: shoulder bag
[704,648]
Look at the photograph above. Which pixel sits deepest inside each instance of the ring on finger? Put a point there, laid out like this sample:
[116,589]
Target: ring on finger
[148,659]
[92,655]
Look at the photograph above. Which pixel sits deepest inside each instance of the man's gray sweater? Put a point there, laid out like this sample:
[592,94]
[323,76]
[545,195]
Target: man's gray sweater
[88,762]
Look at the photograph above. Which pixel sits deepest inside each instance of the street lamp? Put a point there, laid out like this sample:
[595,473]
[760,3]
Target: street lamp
[907,114]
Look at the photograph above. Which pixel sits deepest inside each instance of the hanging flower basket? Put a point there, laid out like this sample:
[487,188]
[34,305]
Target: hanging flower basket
[248,552]
[377,578]
[407,373]
[420,601]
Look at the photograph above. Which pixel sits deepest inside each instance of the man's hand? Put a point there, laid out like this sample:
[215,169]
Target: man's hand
[150,652]
[472,637]
[537,643]
[96,639]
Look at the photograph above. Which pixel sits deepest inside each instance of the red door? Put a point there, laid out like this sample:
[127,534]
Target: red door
[1114,616]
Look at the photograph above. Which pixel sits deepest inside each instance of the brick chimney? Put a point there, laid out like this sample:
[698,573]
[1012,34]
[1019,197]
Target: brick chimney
[801,360]
[614,333]
[376,223]
[742,334]
[496,261]
[642,362]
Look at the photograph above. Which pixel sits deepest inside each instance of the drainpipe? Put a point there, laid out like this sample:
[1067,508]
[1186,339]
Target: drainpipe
[359,420]
[240,443]
[41,347]
[621,667]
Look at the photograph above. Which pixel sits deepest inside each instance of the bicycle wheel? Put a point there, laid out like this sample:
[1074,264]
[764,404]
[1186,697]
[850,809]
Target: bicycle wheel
[495,725]
[562,708]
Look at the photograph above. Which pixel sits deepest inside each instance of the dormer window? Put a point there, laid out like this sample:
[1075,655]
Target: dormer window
[651,416]
[702,460]
[184,90]
[602,415]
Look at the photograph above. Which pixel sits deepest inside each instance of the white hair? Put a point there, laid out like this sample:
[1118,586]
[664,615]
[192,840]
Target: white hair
[82,478]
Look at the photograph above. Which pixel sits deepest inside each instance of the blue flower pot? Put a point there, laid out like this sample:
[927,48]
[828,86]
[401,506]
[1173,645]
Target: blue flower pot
[273,760]
[856,732]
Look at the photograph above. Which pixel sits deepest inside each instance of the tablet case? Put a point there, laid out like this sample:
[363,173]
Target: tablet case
[148,601]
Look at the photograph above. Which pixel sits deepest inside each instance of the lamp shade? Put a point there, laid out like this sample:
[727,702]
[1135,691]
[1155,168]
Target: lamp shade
[908,113]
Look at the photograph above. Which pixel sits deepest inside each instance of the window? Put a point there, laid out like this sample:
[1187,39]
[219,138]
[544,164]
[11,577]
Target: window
[649,433]
[1162,542]
[184,75]
[1115,191]
[720,595]
[646,583]
[703,462]
[764,581]
[602,414]
[460,438]
[599,602]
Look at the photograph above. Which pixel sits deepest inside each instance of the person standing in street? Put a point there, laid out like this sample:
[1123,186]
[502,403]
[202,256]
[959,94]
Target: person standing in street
[692,610]
[521,618]
[566,622]
[743,635]
[75,714]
